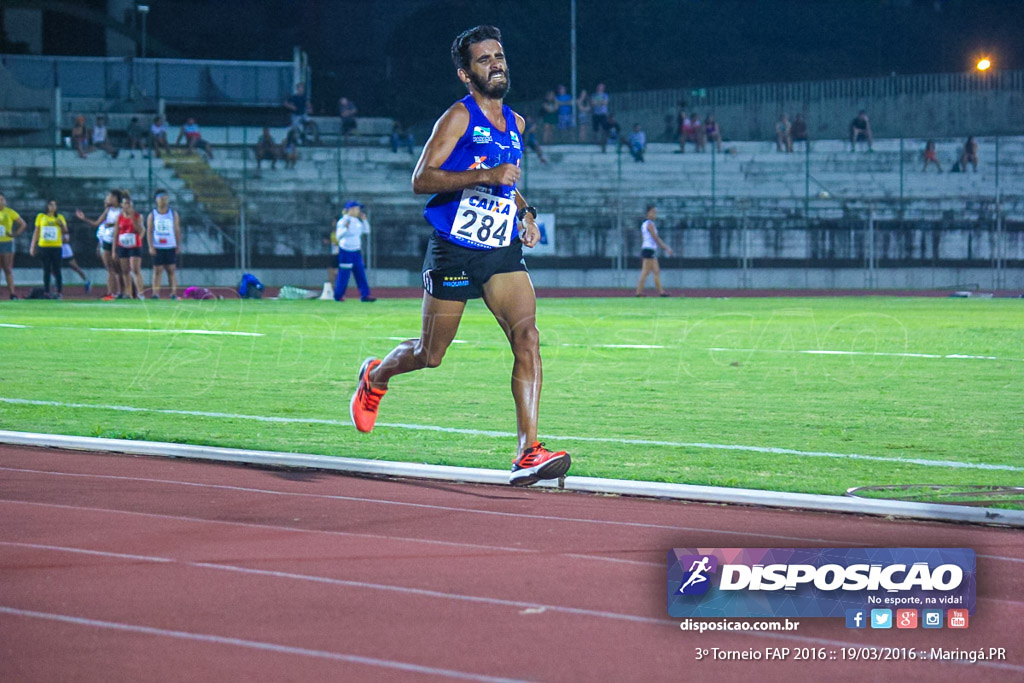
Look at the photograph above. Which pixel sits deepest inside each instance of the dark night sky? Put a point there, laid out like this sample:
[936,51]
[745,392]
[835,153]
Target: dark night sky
[391,56]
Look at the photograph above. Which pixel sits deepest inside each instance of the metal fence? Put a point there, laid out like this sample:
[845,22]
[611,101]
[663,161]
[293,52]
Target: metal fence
[756,217]
[186,81]
[926,105]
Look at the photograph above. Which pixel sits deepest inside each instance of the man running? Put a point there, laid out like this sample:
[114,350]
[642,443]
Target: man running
[470,165]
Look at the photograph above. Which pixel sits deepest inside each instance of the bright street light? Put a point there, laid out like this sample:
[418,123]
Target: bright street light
[984,64]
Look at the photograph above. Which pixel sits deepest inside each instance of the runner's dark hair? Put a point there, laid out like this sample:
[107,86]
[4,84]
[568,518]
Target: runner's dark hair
[477,34]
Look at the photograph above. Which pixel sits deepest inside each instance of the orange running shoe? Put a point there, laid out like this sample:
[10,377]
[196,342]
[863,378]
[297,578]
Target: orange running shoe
[536,463]
[108,297]
[366,400]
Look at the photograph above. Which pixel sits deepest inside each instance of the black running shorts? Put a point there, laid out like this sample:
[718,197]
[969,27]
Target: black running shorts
[165,257]
[648,253]
[455,273]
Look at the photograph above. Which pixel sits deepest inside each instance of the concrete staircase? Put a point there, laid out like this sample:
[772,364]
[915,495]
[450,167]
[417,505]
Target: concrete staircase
[209,189]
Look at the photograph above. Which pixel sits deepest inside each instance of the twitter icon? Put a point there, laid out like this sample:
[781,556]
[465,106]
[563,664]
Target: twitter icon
[881,618]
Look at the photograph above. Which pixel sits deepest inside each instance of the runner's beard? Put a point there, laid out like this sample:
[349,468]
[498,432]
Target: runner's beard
[484,86]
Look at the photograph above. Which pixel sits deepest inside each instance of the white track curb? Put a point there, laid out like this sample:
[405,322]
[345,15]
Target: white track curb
[707,494]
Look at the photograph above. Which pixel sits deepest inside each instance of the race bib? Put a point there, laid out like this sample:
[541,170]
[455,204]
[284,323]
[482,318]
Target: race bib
[126,240]
[50,233]
[484,220]
[162,232]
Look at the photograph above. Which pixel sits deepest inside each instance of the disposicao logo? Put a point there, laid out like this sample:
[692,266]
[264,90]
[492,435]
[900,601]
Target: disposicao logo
[696,580]
[818,582]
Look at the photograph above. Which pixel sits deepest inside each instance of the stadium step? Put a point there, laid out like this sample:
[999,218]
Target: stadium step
[207,185]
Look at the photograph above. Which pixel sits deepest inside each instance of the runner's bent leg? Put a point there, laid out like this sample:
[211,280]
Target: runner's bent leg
[440,323]
[511,298]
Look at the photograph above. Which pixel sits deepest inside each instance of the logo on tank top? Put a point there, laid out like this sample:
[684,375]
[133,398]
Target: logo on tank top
[515,140]
[478,162]
[481,135]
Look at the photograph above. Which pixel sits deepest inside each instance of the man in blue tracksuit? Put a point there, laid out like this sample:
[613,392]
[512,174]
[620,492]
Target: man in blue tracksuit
[350,229]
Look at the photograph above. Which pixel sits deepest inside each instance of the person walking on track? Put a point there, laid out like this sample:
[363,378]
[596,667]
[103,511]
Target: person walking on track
[649,252]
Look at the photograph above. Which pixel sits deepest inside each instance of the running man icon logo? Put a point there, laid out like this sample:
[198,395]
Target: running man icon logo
[696,581]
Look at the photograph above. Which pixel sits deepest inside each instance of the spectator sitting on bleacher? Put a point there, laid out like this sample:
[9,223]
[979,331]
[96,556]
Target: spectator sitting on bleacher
[80,137]
[798,131]
[347,110]
[158,136]
[400,137]
[290,148]
[267,150]
[193,138]
[860,127]
[637,143]
[969,155]
[135,136]
[301,108]
[100,140]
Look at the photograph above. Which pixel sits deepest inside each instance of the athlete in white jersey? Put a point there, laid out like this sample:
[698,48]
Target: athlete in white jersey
[649,252]
[163,231]
[105,226]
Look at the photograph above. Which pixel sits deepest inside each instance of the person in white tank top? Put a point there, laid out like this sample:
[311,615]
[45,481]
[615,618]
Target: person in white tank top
[649,252]
[105,226]
[163,233]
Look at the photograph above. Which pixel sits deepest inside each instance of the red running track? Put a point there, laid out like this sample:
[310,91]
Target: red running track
[128,568]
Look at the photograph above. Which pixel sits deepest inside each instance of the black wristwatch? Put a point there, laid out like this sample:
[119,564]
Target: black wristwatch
[521,214]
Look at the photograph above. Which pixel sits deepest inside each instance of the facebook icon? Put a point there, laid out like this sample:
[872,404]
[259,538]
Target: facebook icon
[856,618]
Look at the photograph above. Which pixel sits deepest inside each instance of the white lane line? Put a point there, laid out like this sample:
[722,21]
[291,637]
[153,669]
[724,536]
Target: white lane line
[386,587]
[397,503]
[828,352]
[496,434]
[170,331]
[149,331]
[615,346]
[252,644]
[519,515]
[346,534]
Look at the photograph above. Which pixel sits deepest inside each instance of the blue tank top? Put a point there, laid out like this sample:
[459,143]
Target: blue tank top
[483,217]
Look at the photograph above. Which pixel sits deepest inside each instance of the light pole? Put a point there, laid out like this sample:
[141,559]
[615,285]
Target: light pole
[143,10]
[572,50]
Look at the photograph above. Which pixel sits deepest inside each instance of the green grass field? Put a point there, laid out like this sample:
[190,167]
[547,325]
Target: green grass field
[687,376]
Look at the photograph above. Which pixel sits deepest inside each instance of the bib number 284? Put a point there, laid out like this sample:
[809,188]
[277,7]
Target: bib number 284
[484,220]
[480,228]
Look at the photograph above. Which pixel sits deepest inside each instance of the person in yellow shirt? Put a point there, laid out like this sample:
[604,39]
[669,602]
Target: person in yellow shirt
[11,225]
[49,236]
